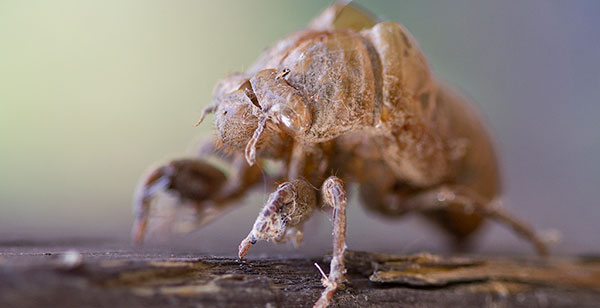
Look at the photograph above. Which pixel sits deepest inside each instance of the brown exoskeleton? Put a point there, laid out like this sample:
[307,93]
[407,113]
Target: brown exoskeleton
[349,97]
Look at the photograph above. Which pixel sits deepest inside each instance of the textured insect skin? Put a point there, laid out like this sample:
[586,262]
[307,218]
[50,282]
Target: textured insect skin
[356,100]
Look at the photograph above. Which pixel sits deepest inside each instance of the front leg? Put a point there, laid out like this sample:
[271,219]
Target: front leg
[289,206]
[334,195]
[195,182]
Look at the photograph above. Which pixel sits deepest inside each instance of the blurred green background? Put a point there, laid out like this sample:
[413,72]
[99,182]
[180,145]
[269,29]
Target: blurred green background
[93,92]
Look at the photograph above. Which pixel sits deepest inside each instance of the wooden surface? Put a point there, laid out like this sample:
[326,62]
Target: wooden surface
[83,275]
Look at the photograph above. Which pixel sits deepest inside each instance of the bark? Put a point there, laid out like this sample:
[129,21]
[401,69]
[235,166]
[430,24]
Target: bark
[47,274]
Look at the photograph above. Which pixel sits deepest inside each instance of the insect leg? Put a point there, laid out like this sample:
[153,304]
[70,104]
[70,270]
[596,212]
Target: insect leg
[194,181]
[451,196]
[142,199]
[334,195]
[289,206]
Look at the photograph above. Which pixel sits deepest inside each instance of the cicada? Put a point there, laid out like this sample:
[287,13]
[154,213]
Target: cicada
[346,100]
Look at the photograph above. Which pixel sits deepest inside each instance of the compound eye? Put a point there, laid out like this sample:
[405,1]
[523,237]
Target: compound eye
[289,118]
[295,118]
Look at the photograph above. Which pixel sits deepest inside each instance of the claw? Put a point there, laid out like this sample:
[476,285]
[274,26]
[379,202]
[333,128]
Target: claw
[187,179]
[156,180]
[245,245]
[288,207]
[271,223]
[138,231]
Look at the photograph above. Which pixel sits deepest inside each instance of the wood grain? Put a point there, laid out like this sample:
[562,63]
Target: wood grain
[35,274]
